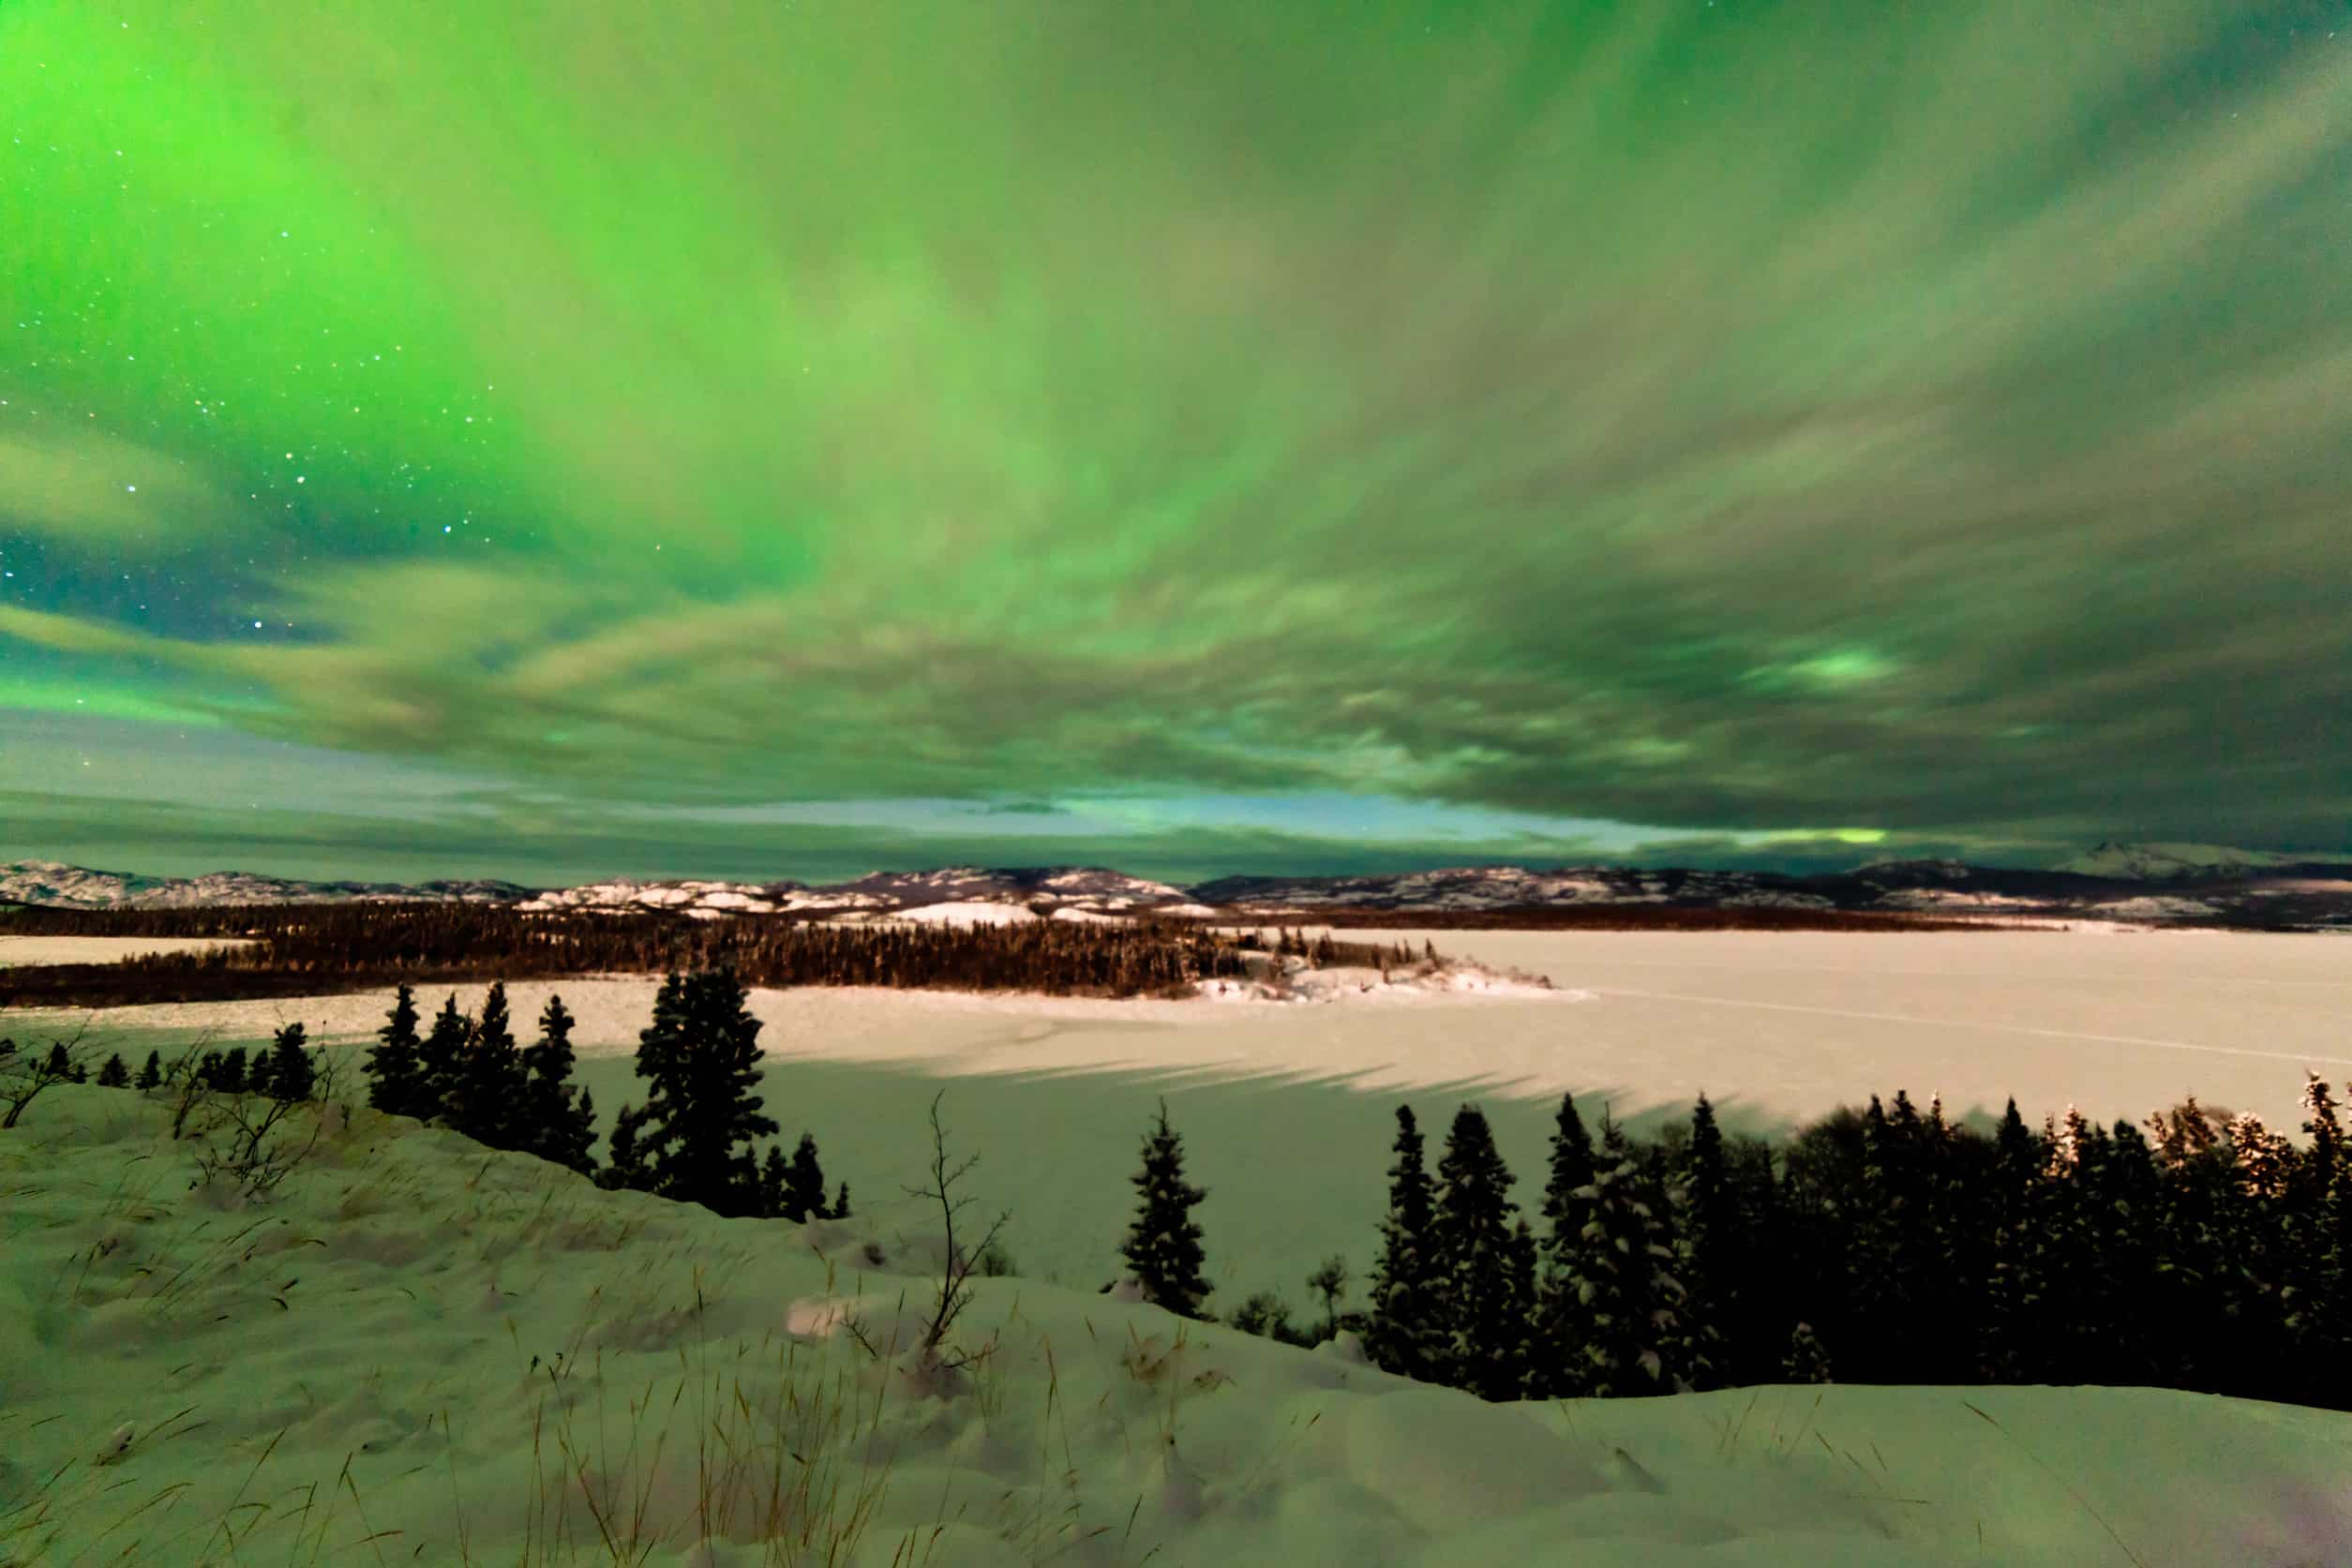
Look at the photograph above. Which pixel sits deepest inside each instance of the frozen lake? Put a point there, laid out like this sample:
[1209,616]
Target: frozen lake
[15,950]
[1287,1111]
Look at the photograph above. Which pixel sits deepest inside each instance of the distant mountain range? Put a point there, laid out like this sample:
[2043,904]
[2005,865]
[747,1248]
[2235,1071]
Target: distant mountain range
[2170,884]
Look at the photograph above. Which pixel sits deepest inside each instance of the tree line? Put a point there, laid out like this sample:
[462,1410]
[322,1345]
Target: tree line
[292,949]
[693,1139]
[287,1072]
[1881,1245]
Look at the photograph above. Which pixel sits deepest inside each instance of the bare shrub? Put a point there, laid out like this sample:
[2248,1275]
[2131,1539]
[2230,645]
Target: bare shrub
[23,1074]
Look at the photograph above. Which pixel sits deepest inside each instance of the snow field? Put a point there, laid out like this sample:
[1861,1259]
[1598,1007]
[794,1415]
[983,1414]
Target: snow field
[421,1350]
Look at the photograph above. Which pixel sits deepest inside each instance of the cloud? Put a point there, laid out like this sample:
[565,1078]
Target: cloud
[1733,423]
[97,489]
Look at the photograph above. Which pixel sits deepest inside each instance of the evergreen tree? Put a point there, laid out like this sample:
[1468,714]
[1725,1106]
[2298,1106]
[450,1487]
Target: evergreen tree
[231,1077]
[2323,1165]
[2320,1318]
[1561,1327]
[489,1101]
[804,1184]
[2261,1246]
[2009,1315]
[552,1125]
[441,1063]
[113,1075]
[2200,1305]
[394,1069]
[1404,1324]
[773,1184]
[1164,1244]
[841,1202]
[1880,1262]
[1472,1225]
[1526,1358]
[2128,1207]
[1618,1277]
[700,1057]
[1804,1361]
[1705,1229]
[624,1166]
[1753,1306]
[288,1074]
[151,1075]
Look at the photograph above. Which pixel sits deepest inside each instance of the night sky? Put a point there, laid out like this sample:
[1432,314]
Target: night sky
[790,437]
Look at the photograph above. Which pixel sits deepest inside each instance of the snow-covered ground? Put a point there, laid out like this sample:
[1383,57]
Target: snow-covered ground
[965,912]
[102,949]
[418,1352]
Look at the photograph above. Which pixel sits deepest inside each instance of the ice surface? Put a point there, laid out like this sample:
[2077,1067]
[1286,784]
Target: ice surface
[102,949]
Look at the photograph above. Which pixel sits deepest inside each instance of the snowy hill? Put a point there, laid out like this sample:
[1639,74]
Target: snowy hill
[48,883]
[414,1351]
[2181,862]
[2244,889]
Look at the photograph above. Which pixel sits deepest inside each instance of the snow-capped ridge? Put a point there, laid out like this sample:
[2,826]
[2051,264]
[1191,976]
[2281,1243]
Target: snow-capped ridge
[2181,862]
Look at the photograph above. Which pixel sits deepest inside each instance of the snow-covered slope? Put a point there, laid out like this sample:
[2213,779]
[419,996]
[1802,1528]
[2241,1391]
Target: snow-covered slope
[415,1350]
[2238,888]
[47,882]
[2175,862]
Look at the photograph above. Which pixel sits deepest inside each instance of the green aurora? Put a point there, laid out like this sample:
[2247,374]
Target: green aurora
[541,439]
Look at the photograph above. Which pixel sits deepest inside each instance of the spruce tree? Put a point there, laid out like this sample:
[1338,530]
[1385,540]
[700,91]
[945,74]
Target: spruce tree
[1561,1329]
[113,1075]
[2200,1304]
[2009,1315]
[774,1183]
[441,1063]
[624,1167]
[1619,1278]
[2130,1206]
[1704,1228]
[2261,1246]
[2320,1318]
[1524,1356]
[581,1156]
[394,1069]
[2076,1227]
[151,1075]
[1804,1361]
[489,1099]
[229,1080]
[288,1074]
[1474,1246]
[841,1202]
[1401,1333]
[550,1125]
[1164,1244]
[804,1184]
[700,1057]
[1880,1263]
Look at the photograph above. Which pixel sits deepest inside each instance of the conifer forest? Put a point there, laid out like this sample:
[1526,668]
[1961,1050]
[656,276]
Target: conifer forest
[299,950]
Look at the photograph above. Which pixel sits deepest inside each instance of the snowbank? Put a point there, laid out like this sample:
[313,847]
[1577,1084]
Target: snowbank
[422,1351]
